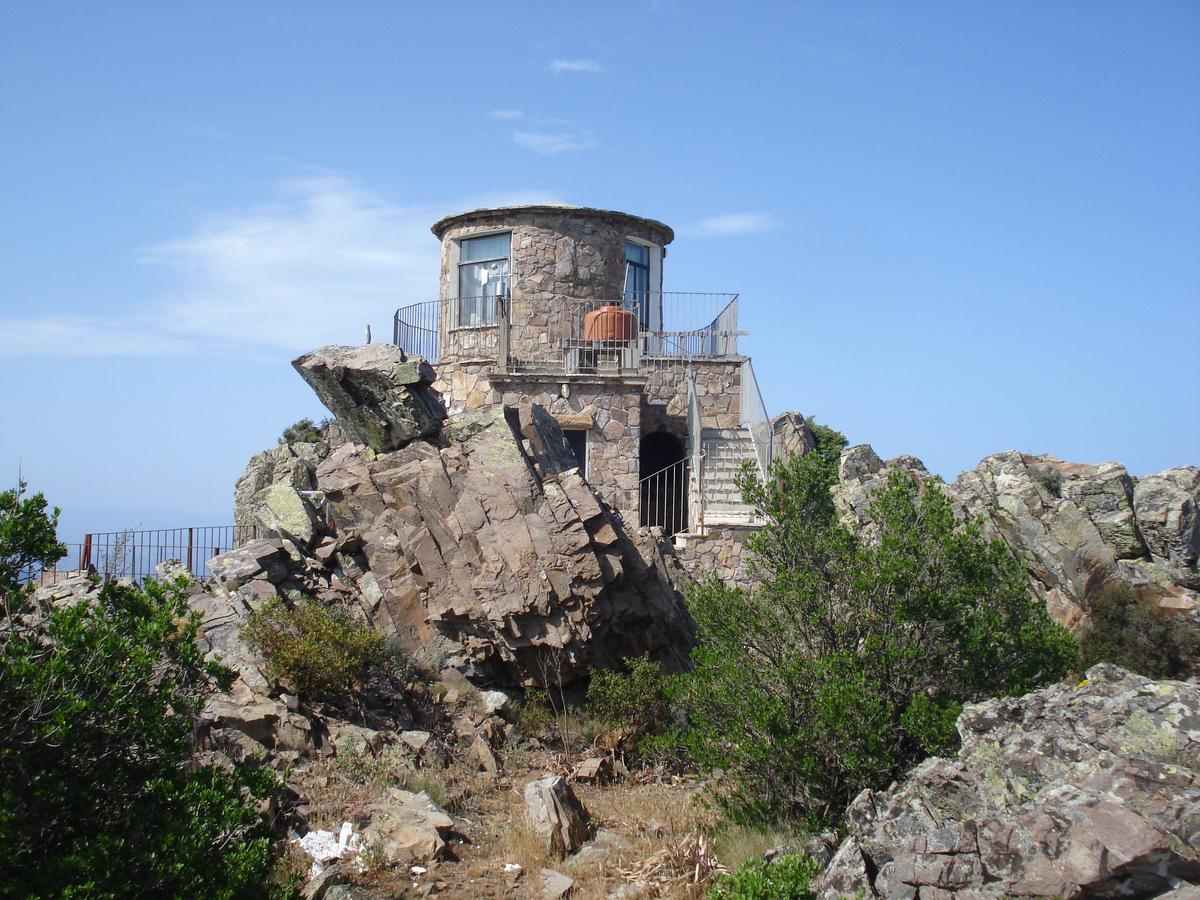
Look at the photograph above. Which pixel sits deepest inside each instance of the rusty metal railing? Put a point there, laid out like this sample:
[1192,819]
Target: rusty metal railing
[136,554]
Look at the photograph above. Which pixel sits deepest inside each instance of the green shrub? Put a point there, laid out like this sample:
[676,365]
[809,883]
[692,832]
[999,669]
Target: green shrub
[849,660]
[637,697]
[301,432]
[1132,633]
[99,794]
[317,650]
[787,878]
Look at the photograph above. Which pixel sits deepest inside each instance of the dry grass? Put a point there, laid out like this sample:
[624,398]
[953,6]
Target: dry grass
[736,844]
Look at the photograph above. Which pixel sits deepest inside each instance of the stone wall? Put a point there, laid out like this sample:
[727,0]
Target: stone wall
[609,409]
[556,254]
[718,390]
[719,552]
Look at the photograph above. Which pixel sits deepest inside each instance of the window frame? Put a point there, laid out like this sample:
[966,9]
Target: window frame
[457,264]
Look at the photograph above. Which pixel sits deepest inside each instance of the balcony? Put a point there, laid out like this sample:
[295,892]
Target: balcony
[544,332]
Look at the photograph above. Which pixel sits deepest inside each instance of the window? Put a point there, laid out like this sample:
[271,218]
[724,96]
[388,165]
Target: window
[637,280]
[577,441]
[482,277]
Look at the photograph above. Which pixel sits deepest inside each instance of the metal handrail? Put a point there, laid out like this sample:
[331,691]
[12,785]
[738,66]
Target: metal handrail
[695,426]
[754,417]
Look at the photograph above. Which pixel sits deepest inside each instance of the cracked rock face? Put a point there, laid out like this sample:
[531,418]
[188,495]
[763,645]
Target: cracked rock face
[495,556]
[1089,790]
[1075,528]
[477,545]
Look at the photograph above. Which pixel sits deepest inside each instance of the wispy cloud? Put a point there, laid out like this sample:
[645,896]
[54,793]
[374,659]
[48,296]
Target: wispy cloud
[312,267]
[551,142]
[506,114]
[575,65]
[731,224]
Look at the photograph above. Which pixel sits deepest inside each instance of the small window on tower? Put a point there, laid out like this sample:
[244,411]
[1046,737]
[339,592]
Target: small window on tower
[577,441]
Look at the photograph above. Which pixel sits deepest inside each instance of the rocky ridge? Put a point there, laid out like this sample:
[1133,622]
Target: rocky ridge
[1075,528]
[1074,790]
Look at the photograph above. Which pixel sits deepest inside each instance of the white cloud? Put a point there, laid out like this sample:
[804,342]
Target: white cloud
[550,142]
[575,65]
[313,267]
[506,114]
[731,224]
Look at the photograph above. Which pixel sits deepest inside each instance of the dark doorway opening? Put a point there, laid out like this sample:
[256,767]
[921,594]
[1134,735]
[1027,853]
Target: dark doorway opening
[663,470]
[577,441]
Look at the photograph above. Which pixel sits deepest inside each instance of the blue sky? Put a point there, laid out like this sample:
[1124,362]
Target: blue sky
[957,228]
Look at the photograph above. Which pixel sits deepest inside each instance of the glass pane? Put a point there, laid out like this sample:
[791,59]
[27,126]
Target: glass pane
[479,284]
[494,246]
[638,253]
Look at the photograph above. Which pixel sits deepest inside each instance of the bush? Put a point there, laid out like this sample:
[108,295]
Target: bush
[317,650]
[301,432]
[638,697]
[850,659]
[787,878]
[99,795]
[1133,634]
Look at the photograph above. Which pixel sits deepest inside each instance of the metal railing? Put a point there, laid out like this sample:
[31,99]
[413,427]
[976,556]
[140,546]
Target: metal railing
[548,332]
[664,498]
[755,418]
[695,426]
[136,554]
[417,329]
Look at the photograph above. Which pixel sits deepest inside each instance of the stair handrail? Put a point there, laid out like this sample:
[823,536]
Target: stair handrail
[695,427]
[754,418]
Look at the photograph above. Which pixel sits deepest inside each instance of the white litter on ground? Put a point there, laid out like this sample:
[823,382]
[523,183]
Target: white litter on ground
[324,846]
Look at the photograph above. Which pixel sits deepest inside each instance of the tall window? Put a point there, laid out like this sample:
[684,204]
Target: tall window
[482,277]
[637,280]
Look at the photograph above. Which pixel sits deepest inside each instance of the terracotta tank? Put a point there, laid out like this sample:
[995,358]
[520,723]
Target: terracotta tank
[610,323]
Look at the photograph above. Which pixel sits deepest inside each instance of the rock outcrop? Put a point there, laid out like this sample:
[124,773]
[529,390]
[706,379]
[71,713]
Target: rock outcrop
[1076,528]
[380,398]
[479,547]
[1074,790]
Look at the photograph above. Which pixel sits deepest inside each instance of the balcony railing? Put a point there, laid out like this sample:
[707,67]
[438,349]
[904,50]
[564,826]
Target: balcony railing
[548,332]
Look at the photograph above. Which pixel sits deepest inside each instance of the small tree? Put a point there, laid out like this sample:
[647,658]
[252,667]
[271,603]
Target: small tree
[851,659]
[301,432]
[99,794]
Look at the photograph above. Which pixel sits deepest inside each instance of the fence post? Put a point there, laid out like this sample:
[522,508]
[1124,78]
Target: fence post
[85,554]
[190,571]
[502,333]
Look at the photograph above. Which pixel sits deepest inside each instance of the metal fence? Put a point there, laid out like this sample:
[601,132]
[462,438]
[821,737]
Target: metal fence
[136,554]
[664,498]
[541,332]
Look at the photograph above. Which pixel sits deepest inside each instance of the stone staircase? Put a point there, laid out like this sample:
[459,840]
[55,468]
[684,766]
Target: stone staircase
[724,451]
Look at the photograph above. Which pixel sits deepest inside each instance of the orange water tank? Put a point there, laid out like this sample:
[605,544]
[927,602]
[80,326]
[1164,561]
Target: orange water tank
[610,323]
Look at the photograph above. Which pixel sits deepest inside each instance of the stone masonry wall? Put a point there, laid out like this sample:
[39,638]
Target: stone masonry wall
[718,389]
[719,552]
[608,409]
[556,255]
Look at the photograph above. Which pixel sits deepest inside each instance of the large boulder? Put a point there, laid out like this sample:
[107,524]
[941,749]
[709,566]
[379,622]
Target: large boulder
[1074,790]
[380,398]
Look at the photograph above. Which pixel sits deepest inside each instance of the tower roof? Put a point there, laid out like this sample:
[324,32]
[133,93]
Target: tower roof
[441,226]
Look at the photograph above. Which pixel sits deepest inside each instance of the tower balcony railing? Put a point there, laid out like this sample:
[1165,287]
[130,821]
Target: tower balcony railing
[543,331]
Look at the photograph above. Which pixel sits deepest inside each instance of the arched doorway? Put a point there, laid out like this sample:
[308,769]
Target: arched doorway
[663,472]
